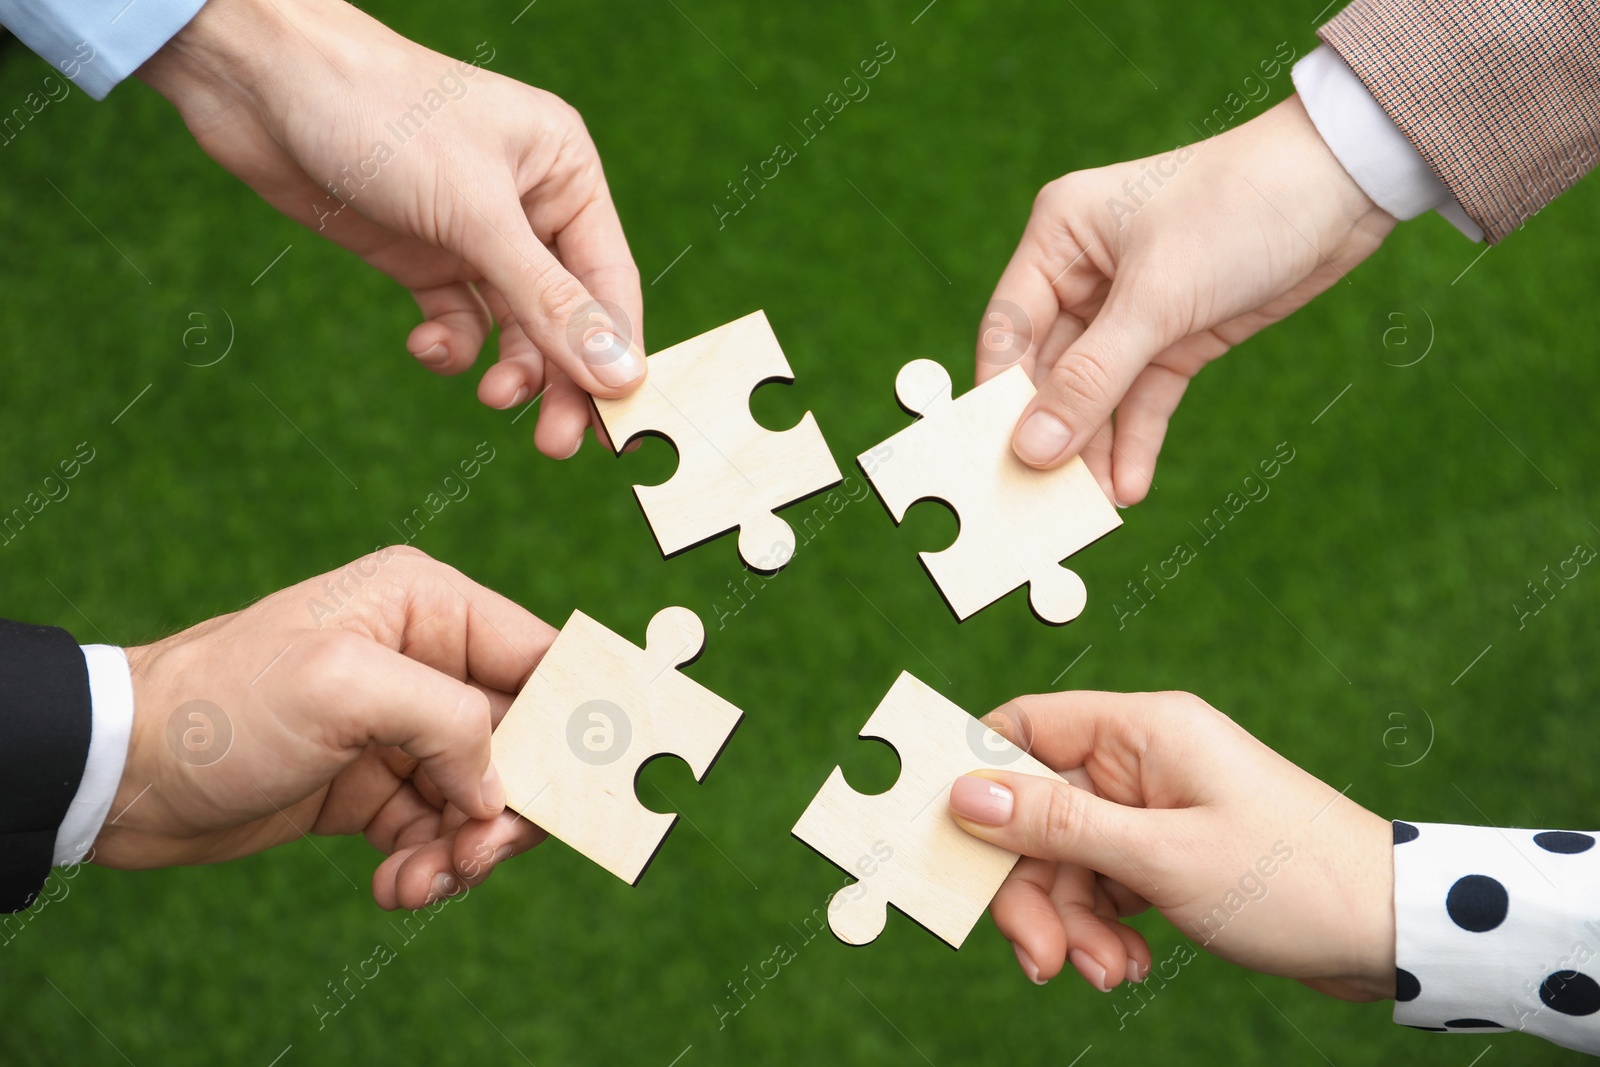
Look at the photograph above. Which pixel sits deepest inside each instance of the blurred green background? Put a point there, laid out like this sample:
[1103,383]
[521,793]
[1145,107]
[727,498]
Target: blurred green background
[1386,560]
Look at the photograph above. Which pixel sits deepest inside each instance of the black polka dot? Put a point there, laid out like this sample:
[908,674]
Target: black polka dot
[1477,903]
[1571,993]
[1563,841]
[1404,831]
[1473,1024]
[1406,986]
[1429,1029]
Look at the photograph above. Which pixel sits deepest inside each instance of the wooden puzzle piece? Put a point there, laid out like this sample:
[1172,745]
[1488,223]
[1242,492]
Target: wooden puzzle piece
[732,472]
[597,708]
[904,844]
[1017,523]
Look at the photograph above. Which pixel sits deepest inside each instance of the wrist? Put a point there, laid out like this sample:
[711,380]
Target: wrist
[1326,178]
[1361,952]
[117,842]
[229,44]
[1375,912]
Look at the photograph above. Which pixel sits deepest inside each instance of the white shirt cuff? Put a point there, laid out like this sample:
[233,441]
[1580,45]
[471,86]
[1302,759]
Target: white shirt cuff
[111,699]
[1498,929]
[96,43]
[1368,144]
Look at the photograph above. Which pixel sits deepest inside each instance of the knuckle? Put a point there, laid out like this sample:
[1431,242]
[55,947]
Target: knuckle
[330,660]
[1055,195]
[405,555]
[1061,194]
[1190,706]
[1080,382]
[560,296]
[1178,710]
[565,114]
[1062,821]
[472,707]
[1048,197]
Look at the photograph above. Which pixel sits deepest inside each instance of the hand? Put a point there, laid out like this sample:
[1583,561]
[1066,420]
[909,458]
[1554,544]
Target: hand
[1251,857]
[360,701]
[1130,278]
[481,195]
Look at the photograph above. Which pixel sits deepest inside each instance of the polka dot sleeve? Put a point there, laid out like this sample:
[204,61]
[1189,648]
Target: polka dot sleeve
[1498,930]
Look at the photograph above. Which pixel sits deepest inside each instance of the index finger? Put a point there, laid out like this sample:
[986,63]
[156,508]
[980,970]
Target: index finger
[434,614]
[502,642]
[1139,749]
[1063,730]
[594,248]
[1019,316]
[554,309]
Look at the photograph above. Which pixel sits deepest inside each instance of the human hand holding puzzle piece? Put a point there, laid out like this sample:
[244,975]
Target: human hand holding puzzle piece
[732,472]
[596,709]
[923,863]
[1017,523]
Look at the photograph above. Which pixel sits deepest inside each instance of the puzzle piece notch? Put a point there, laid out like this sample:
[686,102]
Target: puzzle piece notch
[904,843]
[597,709]
[1017,523]
[732,471]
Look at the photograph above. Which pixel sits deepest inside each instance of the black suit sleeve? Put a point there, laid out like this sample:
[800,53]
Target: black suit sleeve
[45,723]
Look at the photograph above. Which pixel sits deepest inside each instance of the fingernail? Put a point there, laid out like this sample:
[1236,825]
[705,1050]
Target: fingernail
[503,853]
[434,356]
[1042,438]
[443,885]
[1133,972]
[611,359]
[981,801]
[493,792]
[522,394]
[1025,961]
[997,721]
[575,449]
[1091,970]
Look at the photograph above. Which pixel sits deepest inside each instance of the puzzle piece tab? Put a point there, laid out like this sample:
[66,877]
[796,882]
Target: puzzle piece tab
[1017,523]
[904,844]
[732,472]
[596,709]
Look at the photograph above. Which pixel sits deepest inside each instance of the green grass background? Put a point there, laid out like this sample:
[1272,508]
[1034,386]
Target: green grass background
[1391,549]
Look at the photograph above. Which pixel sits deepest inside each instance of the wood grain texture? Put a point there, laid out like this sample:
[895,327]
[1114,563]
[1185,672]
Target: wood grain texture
[1017,523]
[732,472]
[596,709]
[904,844]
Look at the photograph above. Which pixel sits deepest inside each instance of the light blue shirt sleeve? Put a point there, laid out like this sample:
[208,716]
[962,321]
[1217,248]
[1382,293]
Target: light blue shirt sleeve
[96,43]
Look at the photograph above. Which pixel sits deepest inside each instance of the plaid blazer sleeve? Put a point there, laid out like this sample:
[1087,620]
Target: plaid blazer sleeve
[1500,97]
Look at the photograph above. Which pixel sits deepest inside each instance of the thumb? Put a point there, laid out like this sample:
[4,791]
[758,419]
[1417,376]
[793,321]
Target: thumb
[1086,384]
[1052,820]
[581,335]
